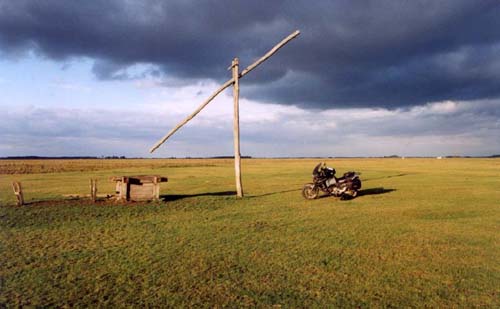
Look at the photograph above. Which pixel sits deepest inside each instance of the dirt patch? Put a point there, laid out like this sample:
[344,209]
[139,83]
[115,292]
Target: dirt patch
[79,202]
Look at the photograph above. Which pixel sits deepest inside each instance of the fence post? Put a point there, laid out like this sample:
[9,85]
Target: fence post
[93,189]
[18,191]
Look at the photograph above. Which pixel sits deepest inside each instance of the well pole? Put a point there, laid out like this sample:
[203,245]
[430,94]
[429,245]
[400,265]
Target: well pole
[236,127]
[226,85]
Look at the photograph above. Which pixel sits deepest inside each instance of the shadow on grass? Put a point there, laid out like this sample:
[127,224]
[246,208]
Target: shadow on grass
[273,193]
[385,177]
[175,197]
[374,191]
[371,191]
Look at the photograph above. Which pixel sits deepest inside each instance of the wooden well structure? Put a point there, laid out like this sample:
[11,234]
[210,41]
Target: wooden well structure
[138,188]
[234,81]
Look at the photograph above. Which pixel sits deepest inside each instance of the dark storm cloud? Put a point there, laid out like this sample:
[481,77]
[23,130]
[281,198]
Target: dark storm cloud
[350,53]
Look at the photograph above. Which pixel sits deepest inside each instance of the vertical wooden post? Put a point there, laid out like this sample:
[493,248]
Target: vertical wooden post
[156,189]
[123,189]
[236,127]
[18,191]
[93,189]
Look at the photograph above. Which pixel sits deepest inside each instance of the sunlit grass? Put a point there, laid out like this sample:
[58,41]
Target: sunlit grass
[424,232]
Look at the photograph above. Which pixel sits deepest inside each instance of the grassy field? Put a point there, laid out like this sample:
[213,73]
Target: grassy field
[423,232]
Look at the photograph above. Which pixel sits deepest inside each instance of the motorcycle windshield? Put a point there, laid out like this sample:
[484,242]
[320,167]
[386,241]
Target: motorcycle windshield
[316,169]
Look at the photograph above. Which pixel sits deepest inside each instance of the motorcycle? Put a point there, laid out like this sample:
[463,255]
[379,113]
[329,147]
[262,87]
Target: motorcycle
[345,187]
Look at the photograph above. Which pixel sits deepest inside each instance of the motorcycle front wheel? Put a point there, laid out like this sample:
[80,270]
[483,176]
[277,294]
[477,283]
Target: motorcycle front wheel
[310,191]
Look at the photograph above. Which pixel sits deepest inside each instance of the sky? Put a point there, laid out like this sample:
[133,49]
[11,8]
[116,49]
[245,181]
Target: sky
[364,78]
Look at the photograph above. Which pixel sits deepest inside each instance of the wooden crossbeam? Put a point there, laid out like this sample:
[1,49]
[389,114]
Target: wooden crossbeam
[225,85]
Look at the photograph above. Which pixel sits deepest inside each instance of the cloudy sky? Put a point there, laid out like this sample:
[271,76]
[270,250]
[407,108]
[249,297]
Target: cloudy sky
[364,78]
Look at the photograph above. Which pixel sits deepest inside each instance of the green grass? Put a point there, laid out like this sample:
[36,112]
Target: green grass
[424,232]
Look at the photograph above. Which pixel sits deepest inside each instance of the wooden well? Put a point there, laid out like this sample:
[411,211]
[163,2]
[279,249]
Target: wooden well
[138,188]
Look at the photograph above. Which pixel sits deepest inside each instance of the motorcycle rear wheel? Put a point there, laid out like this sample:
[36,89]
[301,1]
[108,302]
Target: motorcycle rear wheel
[310,191]
[349,195]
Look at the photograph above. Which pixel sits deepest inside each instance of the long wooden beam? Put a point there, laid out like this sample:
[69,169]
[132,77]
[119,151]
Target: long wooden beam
[224,86]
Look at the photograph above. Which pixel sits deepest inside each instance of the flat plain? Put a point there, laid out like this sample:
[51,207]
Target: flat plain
[423,232]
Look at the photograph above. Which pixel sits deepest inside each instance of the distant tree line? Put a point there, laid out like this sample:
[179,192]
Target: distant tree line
[217,157]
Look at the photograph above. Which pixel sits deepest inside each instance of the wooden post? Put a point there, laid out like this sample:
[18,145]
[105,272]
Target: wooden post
[236,128]
[18,191]
[156,189]
[123,190]
[93,189]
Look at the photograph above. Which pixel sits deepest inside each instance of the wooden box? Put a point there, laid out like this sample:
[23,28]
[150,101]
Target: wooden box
[138,188]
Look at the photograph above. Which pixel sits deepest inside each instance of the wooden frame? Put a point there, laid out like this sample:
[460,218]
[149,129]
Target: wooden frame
[138,188]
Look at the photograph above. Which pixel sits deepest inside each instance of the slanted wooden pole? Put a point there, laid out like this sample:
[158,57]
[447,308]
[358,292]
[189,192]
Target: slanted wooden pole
[18,191]
[236,128]
[177,127]
[225,85]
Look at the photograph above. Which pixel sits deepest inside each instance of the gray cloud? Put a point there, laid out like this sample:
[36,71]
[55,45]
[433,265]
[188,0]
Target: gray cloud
[62,131]
[444,128]
[350,54]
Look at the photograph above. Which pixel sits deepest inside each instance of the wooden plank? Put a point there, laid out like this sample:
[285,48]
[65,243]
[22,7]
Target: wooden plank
[142,178]
[224,86]
[144,191]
